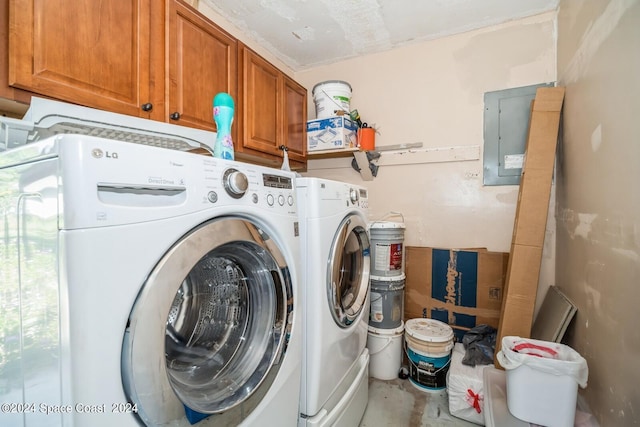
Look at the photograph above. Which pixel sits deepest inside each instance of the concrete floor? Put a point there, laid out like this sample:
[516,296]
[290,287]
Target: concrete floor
[397,403]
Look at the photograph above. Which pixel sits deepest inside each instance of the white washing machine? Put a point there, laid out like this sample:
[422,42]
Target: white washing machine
[335,289]
[146,286]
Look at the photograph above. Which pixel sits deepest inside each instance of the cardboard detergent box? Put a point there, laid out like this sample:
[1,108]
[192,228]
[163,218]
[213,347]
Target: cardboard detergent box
[331,133]
[462,288]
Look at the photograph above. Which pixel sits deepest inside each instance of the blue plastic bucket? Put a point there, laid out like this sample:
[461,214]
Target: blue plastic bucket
[428,345]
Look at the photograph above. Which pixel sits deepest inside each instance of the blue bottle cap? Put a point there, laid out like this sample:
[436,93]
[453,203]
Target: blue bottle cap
[223,99]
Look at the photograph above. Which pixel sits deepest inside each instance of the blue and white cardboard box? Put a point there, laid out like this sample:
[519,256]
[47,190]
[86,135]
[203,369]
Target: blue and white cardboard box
[460,287]
[331,133]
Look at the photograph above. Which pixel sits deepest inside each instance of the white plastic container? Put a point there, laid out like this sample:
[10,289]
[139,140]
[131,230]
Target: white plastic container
[385,351]
[540,398]
[331,97]
[542,380]
[387,248]
[496,412]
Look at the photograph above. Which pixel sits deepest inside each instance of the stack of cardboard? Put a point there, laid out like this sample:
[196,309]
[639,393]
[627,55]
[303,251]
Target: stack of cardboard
[462,288]
[531,216]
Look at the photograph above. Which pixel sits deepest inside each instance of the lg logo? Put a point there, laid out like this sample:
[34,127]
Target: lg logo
[98,154]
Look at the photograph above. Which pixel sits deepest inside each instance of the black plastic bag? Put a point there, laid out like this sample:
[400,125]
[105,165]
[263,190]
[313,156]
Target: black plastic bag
[479,345]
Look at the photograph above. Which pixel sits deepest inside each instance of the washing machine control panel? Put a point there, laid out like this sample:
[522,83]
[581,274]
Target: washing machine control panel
[250,185]
[277,181]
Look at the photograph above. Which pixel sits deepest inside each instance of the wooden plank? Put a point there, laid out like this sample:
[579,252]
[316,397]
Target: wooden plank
[523,270]
[329,154]
[549,99]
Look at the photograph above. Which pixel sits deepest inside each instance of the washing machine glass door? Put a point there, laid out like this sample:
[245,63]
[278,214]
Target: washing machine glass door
[348,271]
[209,328]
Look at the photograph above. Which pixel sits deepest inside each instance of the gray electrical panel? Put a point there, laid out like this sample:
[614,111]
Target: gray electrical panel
[506,124]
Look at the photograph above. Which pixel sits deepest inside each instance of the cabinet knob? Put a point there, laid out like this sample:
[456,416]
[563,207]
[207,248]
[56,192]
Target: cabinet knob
[147,107]
[174,116]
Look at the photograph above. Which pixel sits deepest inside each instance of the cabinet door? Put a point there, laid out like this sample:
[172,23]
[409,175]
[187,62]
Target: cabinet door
[94,53]
[202,63]
[295,119]
[262,114]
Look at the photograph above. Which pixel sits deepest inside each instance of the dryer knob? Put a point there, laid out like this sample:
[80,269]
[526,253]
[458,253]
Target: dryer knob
[235,182]
[353,195]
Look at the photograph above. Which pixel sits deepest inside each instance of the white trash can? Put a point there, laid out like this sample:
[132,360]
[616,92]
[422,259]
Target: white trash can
[542,380]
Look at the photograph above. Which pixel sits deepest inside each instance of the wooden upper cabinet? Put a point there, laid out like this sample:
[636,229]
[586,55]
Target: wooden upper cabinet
[158,59]
[262,111]
[295,119]
[274,109]
[202,63]
[94,53]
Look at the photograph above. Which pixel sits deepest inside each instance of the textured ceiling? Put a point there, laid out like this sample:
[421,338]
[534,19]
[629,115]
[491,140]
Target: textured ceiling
[308,33]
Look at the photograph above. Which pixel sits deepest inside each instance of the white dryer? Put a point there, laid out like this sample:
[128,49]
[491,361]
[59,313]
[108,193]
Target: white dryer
[146,286]
[335,289]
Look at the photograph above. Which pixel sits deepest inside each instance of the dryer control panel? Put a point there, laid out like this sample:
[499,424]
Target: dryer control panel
[362,197]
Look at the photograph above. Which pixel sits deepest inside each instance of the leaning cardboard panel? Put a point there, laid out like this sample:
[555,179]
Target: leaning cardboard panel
[462,288]
[527,241]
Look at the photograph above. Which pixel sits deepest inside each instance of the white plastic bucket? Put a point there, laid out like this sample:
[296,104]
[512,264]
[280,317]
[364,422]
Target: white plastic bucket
[387,301]
[385,352]
[542,379]
[330,97]
[387,248]
[429,344]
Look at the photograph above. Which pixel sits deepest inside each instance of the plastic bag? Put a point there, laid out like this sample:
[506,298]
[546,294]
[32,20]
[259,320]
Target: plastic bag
[465,388]
[549,357]
[480,344]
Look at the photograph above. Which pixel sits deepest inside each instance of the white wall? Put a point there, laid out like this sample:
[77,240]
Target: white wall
[598,201]
[432,92]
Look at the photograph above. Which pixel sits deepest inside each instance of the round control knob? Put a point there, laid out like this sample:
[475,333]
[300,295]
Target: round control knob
[235,182]
[353,195]
[290,200]
[281,200]
[270,199]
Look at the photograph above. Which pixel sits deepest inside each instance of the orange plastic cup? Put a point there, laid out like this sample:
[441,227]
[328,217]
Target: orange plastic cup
[367,139]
